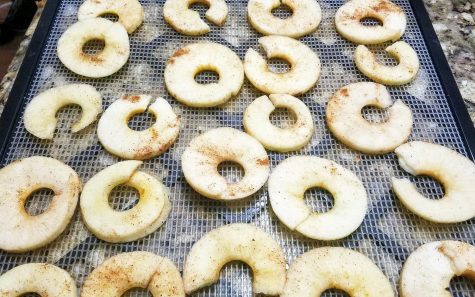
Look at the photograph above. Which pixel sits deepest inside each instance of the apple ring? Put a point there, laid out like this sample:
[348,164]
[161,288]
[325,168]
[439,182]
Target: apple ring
[114,55]
[295,175]
[257,124]
[344,119]
[205,152]
[305,18]
[186,21]
[144,218]
[117,138]
[130,12]
[131,270]
[403,73]
[236,242]
[302,76]
[453,170]
[192,59]
[40,114]
[21,232]
[335,267]
[428,270]
[40,278]
[348,21]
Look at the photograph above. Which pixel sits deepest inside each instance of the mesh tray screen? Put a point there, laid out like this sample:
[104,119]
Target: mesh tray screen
[388,234]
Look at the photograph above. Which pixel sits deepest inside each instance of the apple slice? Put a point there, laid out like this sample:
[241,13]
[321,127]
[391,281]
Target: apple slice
[428,270]
[236,242]
[456,173]
[335,268]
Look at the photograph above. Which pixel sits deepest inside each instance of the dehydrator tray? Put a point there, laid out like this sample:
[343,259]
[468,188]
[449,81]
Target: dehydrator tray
[389,232]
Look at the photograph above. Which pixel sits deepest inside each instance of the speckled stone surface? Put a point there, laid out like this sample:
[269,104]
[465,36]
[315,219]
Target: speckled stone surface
[455,26]
[454,22]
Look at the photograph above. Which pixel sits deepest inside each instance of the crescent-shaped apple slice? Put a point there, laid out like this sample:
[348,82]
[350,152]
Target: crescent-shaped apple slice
[236,242]
[40,114]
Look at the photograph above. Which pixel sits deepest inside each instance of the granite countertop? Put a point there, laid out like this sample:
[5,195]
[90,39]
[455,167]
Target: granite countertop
[453,21]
